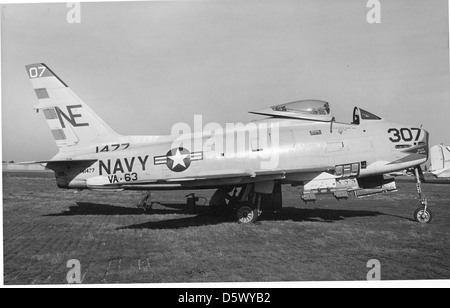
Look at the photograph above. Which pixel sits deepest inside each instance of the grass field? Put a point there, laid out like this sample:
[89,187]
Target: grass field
[115,242]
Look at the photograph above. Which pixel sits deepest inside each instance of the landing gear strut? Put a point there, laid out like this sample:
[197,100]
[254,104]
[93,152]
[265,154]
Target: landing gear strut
[144,204]
[422,214]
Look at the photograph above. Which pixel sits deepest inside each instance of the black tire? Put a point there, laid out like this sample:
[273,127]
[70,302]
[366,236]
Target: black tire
[424,217]
[245,213]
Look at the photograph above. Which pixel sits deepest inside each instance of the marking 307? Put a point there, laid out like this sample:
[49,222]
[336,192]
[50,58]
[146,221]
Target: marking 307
[112,147]
[404,134]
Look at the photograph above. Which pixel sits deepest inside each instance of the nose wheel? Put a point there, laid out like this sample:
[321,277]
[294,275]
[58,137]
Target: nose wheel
[423,214]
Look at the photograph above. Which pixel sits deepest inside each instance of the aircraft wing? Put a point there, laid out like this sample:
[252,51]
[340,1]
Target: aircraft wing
[208,179]
[240,174]
[222,177]
[217,175]
[205,178]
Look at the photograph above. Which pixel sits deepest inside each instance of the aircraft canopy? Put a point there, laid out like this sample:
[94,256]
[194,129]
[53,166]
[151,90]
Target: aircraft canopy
[360,114]
[314,110]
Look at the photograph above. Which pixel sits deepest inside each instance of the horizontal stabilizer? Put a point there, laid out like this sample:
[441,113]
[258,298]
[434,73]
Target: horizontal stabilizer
[64,161]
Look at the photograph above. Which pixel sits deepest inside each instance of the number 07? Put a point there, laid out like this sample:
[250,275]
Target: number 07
[36,71]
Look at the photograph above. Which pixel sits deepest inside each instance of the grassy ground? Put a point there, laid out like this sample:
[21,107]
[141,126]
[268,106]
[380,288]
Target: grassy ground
[115,242]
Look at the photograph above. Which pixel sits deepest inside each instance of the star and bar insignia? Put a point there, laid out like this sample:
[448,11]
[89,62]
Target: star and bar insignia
[178,159]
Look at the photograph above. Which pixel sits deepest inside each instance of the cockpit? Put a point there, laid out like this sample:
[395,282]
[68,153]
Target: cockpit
[313,110]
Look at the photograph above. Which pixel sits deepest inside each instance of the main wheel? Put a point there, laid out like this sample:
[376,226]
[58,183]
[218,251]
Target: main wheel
[423,216]
[246,214]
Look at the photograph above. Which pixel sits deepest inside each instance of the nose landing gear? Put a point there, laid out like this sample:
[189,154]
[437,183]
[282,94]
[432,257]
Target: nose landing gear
[422,214]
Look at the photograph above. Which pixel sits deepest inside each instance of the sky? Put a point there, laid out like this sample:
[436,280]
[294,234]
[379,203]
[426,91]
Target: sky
[144,66]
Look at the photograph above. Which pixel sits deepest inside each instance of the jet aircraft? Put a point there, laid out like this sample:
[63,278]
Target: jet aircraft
[314,152]
[440,161]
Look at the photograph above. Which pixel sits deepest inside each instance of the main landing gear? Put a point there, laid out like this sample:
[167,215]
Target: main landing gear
[245,213]
[422,214]
[146,202]
[246,206]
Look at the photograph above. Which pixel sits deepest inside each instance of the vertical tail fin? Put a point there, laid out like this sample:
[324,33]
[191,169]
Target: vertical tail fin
[70,120]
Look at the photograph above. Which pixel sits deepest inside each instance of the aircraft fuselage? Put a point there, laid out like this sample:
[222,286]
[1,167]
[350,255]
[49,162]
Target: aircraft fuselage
[372,147]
